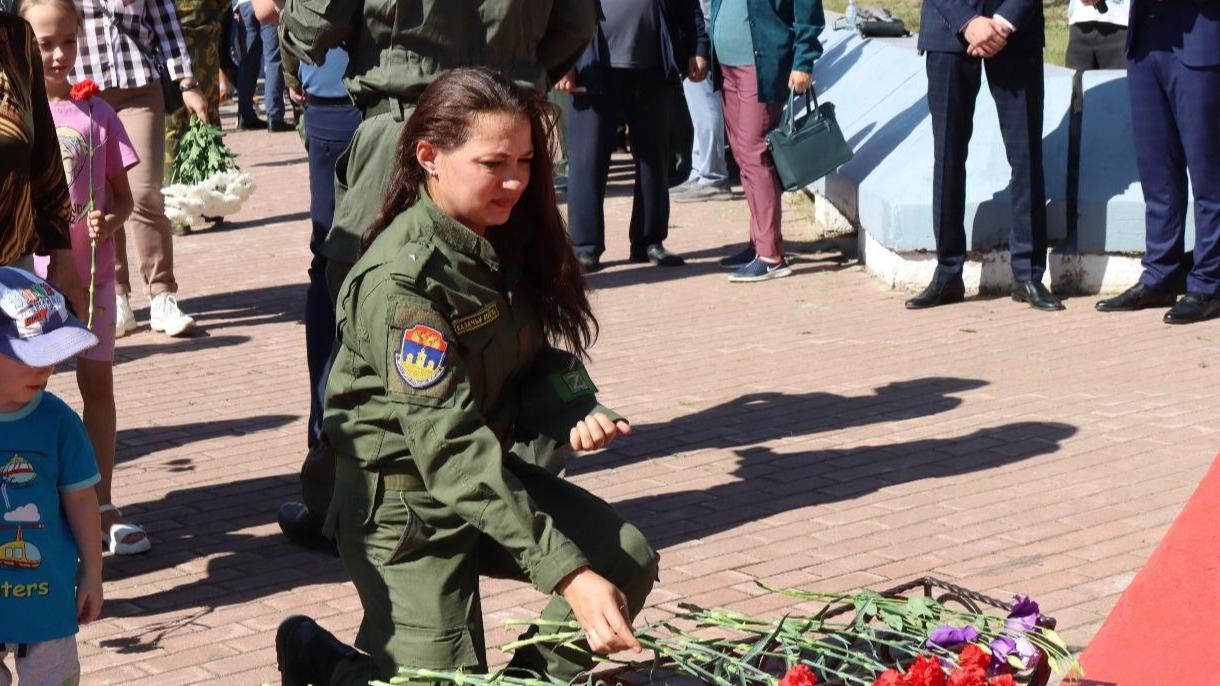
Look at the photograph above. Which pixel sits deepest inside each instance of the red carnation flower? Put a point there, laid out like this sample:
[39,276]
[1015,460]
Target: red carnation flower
[892,677]
[84,90]
[973,657]
[799,675]
[1002,680]
[972,676]
[926,672]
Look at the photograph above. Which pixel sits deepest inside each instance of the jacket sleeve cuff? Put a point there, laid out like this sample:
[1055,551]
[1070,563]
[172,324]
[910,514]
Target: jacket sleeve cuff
[610,414]
[552,569]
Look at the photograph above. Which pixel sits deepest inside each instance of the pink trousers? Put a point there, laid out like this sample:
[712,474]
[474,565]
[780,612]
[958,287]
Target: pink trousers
[748,121]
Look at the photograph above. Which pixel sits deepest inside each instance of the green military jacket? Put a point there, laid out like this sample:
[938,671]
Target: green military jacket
[397,48]
[442,368]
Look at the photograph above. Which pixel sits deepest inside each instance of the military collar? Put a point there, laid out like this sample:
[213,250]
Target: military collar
[457,234]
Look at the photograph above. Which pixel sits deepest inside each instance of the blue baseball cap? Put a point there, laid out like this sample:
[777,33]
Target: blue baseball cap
[35,326]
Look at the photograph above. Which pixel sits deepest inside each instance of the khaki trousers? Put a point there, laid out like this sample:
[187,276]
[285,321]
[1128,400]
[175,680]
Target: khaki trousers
[142,111]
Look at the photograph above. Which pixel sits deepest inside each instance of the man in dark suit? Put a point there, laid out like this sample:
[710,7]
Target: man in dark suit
[961,39]
[1173,70]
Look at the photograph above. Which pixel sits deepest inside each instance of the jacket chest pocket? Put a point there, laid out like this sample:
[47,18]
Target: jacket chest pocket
[488,340]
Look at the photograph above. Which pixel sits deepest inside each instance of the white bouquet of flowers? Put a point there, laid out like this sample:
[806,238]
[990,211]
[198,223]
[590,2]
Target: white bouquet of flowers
[205,180]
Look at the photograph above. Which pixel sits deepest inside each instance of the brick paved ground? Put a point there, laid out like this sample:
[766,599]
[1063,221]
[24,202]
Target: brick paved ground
[806,432]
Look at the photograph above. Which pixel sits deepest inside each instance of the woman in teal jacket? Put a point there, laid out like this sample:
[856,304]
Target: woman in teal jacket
[761,50]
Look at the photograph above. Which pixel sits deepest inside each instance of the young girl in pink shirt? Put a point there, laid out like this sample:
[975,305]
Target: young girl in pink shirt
[81,125]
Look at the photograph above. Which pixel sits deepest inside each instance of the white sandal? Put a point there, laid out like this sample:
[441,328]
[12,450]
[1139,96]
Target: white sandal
[112,540]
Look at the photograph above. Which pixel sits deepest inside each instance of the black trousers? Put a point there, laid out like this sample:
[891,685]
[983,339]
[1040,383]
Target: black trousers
[639,98]
[1017,87]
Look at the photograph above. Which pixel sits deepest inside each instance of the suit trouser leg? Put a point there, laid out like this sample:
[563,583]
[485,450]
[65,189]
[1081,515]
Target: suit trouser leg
[1016,85]
[592,120]
[1195,97]
[645,100]
[1162,168]
[953,87]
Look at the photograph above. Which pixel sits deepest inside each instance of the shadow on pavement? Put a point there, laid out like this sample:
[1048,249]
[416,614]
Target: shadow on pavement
[211,522]
[228,225]
[136,443]
[770,483]
[169,346]
[760,417]
[254,306]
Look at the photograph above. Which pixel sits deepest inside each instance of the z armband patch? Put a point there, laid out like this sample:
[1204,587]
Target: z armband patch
[421,358]
[485,315]
[571,384]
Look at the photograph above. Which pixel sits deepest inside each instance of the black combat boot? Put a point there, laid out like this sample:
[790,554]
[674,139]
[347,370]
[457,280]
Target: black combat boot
[306,653]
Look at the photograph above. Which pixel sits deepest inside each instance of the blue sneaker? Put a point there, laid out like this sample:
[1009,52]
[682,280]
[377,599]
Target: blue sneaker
[740,259]
[759,270]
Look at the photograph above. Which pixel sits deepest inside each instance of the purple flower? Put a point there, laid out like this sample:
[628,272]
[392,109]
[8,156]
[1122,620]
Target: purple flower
[952,638]
[1024,616]
[1005,646]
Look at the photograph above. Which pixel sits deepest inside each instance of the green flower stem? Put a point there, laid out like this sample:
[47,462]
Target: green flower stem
[92,242]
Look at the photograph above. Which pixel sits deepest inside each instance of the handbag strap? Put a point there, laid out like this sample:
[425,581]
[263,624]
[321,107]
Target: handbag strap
[811,97]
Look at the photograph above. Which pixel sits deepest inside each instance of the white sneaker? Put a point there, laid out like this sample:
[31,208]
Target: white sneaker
[124,318]
[164,315]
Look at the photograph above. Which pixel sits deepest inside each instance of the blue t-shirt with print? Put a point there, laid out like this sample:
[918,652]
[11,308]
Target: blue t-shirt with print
[44,451]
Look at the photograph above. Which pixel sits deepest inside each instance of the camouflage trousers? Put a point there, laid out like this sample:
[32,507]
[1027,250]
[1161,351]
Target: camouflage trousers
[203,44]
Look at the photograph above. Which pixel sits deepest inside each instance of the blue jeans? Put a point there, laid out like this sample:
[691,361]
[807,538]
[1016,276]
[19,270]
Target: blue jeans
[260,54]
[707,118]
[328,131]
[273,73]
[251,62]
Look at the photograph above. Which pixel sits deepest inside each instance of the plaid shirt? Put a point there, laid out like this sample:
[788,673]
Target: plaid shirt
[109,52]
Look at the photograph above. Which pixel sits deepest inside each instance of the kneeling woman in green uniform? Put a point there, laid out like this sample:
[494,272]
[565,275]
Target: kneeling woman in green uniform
[445,382]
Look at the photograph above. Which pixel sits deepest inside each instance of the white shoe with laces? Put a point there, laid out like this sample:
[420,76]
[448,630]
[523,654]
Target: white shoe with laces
[124,318]
[165,316]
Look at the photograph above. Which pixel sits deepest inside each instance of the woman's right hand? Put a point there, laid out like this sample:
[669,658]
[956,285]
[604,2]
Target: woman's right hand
[566,84]
[601,610]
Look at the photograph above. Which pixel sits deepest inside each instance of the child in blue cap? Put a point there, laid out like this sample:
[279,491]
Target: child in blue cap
[50,531]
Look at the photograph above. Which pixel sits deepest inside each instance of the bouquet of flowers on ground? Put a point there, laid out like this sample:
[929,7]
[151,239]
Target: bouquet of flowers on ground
[862,639]
[205,180]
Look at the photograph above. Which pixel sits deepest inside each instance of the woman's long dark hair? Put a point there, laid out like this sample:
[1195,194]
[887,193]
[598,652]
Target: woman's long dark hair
[444,115]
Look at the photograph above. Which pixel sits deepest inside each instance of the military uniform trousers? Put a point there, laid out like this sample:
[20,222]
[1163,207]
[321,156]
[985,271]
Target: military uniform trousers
[416,567]
[361,174]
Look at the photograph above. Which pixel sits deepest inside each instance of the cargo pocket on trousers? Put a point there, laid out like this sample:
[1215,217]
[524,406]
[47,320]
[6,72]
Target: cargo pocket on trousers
[392,530]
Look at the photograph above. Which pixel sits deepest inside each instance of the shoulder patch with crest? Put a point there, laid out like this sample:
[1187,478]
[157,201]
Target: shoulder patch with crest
[421,357]
[478,319]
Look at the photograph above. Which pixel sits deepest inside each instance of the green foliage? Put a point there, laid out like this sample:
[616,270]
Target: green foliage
[723,648]
[201,153]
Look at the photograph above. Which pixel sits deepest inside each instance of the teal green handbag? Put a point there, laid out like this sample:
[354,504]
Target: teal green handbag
[806,151]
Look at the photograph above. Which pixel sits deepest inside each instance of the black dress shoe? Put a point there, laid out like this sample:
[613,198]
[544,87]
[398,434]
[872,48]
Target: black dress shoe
[1194,307]
[1137,297]
[252,124]
[306,653]
[279,126]
[939,293]
[658,255]
[303,529]
[589,262]
[1038,297]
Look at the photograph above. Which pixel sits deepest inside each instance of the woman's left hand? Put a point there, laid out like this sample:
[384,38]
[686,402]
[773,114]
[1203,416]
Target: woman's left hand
[800,81]
[697,69]
[195,104]
[597,431]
